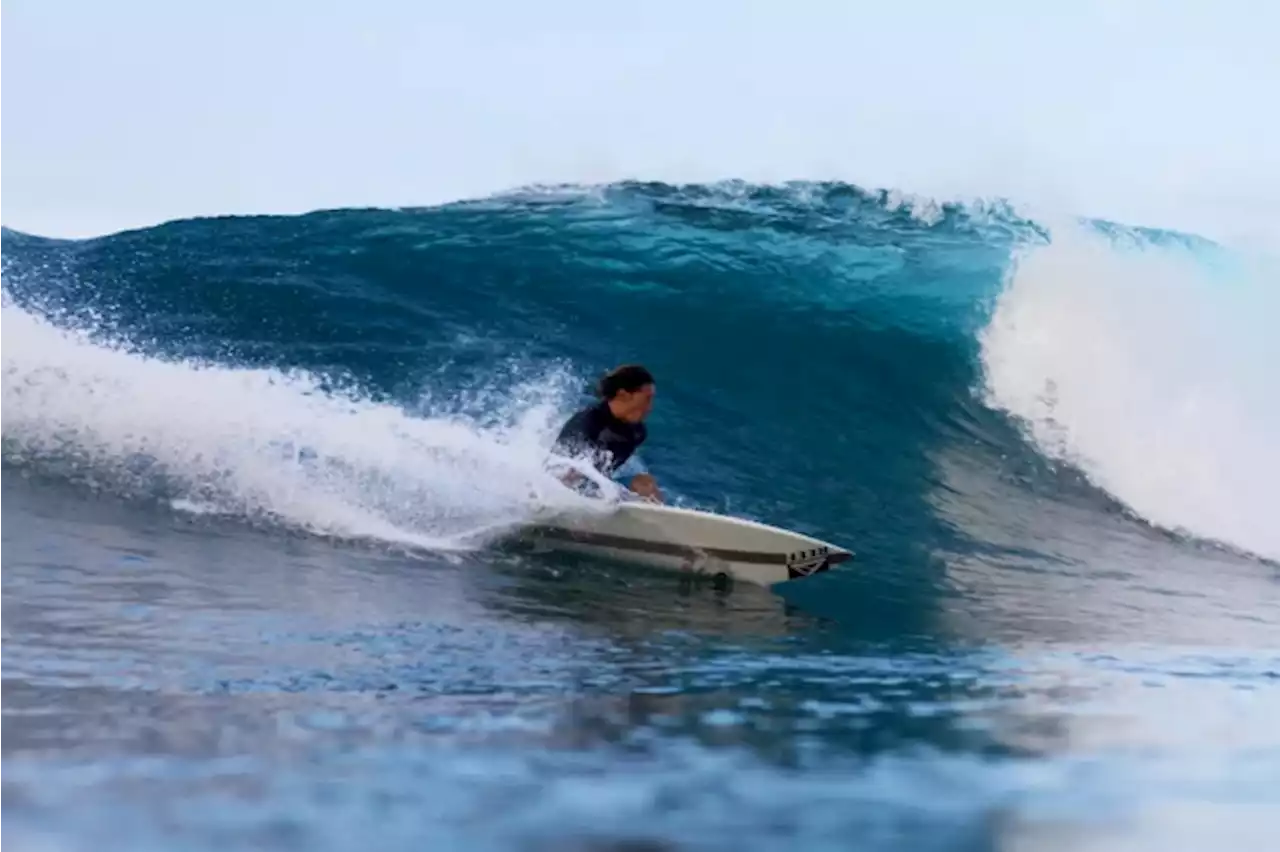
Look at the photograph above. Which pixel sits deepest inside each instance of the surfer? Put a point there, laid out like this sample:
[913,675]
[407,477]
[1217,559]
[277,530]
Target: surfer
[609,432]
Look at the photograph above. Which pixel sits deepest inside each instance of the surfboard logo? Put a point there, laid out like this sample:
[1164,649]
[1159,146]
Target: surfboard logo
[805,563]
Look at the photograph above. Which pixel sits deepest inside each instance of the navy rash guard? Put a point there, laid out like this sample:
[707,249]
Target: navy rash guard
[605,439]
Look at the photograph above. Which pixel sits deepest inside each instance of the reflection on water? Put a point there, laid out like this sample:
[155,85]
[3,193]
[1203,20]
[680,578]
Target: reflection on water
[1093,576]
[171,682]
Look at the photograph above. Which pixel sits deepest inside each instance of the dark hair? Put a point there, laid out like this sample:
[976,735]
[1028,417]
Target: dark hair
[628,377]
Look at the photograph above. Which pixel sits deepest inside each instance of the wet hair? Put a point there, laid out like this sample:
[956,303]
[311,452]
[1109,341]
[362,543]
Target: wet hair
[628,377]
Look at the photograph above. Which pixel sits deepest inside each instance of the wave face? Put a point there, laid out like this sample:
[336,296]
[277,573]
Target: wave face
[904,377]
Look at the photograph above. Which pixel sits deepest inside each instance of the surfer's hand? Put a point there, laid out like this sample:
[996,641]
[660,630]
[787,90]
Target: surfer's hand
[646,486]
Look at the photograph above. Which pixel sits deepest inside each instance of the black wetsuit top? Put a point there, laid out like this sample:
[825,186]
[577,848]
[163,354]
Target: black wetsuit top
[608,441]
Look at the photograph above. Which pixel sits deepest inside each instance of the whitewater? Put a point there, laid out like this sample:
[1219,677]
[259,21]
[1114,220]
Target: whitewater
[257,470]
[1144,364]
[268,446]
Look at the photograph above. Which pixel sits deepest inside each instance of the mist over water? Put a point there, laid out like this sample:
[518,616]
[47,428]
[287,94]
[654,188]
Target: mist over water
[1142,363]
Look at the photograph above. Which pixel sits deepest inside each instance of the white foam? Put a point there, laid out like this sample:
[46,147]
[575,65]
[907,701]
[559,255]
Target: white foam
[1153,370]
[272,446]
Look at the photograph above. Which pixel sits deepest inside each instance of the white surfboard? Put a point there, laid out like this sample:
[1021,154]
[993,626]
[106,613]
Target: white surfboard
[687,540]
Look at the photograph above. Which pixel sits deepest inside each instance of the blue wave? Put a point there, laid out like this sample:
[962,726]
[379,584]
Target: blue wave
[823,352]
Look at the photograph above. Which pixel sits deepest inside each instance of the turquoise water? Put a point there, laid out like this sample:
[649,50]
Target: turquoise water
[1051,448]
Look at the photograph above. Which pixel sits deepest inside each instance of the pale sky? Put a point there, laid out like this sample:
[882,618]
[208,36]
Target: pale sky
[127,113]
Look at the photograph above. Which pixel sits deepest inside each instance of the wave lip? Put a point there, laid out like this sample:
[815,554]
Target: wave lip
[1150,367]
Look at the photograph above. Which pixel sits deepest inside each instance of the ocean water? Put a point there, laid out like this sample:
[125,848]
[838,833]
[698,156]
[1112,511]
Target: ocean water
[1050,444]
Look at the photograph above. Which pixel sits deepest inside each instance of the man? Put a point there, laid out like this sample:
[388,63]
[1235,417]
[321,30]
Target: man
[610,431]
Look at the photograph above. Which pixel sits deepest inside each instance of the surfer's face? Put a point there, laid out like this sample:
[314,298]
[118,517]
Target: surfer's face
[632,406]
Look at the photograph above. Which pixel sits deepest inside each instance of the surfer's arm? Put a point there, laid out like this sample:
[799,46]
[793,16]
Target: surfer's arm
[631,468]
[637,478]
[570,443]
[646,486]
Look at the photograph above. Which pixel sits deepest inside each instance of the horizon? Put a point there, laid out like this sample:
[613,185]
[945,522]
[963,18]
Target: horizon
[1146,114]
